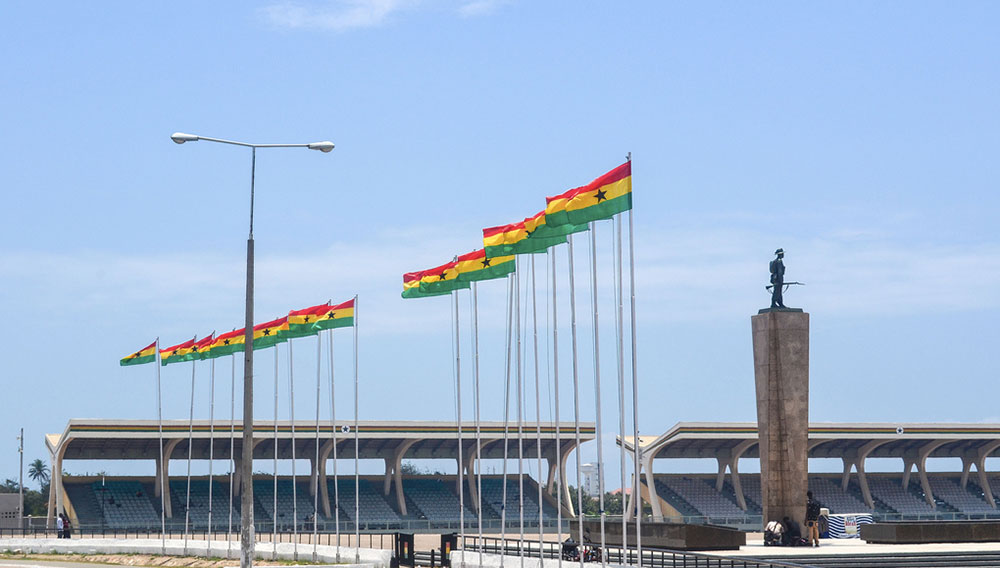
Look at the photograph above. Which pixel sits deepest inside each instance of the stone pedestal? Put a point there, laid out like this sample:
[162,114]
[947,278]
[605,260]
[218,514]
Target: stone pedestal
[781,369]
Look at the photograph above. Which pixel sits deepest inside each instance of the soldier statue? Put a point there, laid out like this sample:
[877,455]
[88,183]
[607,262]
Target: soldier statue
[777,267]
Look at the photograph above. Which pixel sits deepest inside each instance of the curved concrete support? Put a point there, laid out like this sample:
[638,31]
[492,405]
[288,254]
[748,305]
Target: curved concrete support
[550,477]
[647,465]
[984,482]
[168,450]
[51,516]
[732,460]
[397,460]
[470,468]
[324,490]
[922,455]
[387,479]
[967,462]
[564,487]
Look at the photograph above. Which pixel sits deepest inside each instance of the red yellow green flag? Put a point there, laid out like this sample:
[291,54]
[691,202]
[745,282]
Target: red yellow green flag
[537,228]
[341,315]
[302,323]
[477,266]
[176,353]
[506,240]
[145,355]
[227,343]
[600,199]
[442,279]
[200,348]
[268,334]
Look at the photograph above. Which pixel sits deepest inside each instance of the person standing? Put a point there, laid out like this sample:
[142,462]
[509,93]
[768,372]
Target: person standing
[59,526]
[812,519]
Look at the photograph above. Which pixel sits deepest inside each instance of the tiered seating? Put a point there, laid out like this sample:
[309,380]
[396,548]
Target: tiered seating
[373,508]
[493,496]
[893,494]
[830,495]
[435,500]
[125,505]
[675,500]
[264,494]
[751,489]
[198,516]
[88,510]
[702,496]
[950,491]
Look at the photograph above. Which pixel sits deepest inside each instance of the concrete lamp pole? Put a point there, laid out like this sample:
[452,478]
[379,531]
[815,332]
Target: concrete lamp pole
[246,466]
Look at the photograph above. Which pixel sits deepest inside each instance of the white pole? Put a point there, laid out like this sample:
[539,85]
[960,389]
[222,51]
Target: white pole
[458,415]
[520,415]
[576,398]
[635,387]
[232,452]
[475,378]
[274,504]
[164,469]
[620,333]
[316,464]
[597,386]
[555,378]
[333,421]
[187,502]
[211,440]
[295,493]
[506,415]
[538,408]
[357,482]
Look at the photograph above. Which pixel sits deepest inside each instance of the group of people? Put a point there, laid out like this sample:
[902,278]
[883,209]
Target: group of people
[787,533]
[62,526]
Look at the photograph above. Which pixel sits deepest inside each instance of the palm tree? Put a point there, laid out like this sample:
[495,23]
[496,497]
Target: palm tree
[39,472]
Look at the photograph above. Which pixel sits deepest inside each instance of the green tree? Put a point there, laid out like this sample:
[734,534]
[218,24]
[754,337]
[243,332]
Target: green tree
[38,471]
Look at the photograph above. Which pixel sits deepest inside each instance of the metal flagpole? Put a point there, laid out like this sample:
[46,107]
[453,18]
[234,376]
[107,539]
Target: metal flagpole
[187,502]
[555,377]
[211,440]
[620,333]
[506,413]
[164,467]
[232,452]
[357,482]
[295,493]
[597,386]
[635,387]
[538,407]
[576,398]
[274,504]
[458,412]
[520,414]
[475,382]
[333,422]
[316,464]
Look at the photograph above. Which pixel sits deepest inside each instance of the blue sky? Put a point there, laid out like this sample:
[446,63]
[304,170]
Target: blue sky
[861,137]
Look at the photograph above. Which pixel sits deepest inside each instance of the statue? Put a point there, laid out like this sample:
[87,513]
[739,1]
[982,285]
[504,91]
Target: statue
[778,284]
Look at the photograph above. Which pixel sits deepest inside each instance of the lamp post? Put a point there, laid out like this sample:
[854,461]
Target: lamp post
[246,468]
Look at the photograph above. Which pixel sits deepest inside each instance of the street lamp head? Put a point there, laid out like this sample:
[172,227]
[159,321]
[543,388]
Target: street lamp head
[324,146]
[180,137]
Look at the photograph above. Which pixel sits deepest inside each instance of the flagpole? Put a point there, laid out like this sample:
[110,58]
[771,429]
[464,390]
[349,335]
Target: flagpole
[333,422]
[635,386]
[597,386]
[458,410]
[576,397]
[518,373]
[232,452]
[164,467]
[357,483]
[475,378]
[538,406]
[211,440]
[187,503]
[274,510]
[620,332]
[506,413]
[295,492]
[316,464]
[555,377]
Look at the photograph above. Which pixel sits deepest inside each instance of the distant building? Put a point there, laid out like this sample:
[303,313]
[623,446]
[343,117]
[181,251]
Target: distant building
[591,485]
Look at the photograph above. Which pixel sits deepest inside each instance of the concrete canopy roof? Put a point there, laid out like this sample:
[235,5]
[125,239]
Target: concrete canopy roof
[826,439]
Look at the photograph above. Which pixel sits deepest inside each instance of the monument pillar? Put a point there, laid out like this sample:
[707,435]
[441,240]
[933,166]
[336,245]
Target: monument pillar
[781,370]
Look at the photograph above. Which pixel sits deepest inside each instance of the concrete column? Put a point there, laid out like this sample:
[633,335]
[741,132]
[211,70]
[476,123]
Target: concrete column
[550,477]
[563,486]
[51,515]
[387,480]
[313,476]
[397,460]
[781,370]
[967,462]
[168,450]
[908,463]
[324,489]
[922,456]
[654,497]
[984,482]
[470,467]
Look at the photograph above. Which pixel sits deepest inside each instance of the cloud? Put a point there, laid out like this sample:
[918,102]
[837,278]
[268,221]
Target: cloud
[337,16]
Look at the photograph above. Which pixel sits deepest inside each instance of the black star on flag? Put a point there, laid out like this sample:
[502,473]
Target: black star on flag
[443,275]
[267,332]
[225,342]
[601,195]
[486,262]
[306,320]
[331,315]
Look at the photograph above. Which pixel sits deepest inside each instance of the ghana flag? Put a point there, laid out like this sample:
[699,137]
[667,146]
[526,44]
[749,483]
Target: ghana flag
[177,353]
[537,228]
[476,266]
[302,323]
[145,355]
[600,199]
[268,334]
[200,348]
[412,288]
[341,315]
[227,343]
[506,240]
[442,279]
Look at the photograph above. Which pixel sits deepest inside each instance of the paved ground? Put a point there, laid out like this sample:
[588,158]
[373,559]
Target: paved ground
[755,548]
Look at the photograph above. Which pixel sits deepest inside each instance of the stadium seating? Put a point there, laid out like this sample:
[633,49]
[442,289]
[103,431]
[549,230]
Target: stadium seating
[198,516]
[702,496]
[830,495]
[949,490]
[892,492]
[371,504]
[493,496]
[303,505]
[125,504]
[434,499]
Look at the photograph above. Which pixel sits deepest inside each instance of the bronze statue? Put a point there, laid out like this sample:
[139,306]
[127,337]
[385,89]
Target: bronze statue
[778,284]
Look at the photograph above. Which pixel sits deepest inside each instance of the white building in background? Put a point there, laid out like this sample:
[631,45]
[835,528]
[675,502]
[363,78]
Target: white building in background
[591,486]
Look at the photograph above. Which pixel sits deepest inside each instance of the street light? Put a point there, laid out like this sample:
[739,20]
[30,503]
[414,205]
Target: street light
[246,469]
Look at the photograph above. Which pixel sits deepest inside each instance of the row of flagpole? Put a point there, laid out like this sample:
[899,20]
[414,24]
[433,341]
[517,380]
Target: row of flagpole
[163,473]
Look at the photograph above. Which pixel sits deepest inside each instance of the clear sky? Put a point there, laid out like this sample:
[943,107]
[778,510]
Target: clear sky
[861,137]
